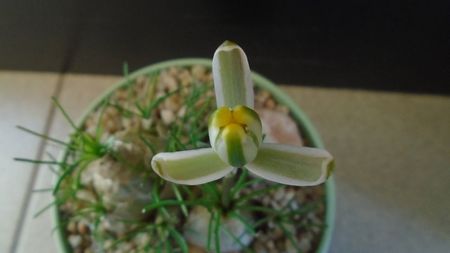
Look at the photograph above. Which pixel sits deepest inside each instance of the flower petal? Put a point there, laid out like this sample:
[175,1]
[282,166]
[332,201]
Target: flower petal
[232,76]
[292,165]
[191,167]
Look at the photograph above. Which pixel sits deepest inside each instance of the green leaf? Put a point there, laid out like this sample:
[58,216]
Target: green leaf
[190,167]
[179,239]
[292,165]
[232,76]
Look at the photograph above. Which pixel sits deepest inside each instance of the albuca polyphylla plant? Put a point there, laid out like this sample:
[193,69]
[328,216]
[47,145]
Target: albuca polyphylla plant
[106,183]
[236,138]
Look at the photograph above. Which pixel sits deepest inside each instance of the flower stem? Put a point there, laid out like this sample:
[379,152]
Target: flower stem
[227,184]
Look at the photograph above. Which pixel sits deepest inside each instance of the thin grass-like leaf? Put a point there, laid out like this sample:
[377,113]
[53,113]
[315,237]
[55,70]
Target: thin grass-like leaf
[173,202]
[217,228]
[290,237]
[42,190]
[155,103]
[256,193]
[148,144]
[45,208]
[179,239]
[53,158]
[18,159]
[65,114]
[262,209]
[180,198]
[244,247]
[98,127]
[43,136]
[248,227]
[241,180]
[66,173]
[210,231]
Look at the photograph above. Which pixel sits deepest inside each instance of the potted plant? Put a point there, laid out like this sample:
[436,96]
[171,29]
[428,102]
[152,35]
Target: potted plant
[179,158]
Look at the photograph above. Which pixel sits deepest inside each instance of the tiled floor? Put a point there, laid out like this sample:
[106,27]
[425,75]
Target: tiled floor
[392,152]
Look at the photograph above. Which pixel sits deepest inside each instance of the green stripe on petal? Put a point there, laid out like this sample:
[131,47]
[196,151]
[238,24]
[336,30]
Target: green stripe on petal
[292,165]
[234,146]
[233,135]
[191,167]
[232,76]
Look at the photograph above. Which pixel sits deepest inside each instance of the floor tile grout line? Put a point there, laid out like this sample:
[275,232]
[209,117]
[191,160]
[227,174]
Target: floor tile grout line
[35,168]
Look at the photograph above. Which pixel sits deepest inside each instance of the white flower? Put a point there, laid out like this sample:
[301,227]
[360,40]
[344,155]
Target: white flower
[235,134]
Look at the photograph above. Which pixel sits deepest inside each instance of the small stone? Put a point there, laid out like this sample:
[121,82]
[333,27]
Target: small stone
[185,78]
[121,94]
[289,194]
[259,247]
[172,103]
[290,248]
[182,111]
[279,128]
[132,123]
[277,233]
[198,72]
[72,227]
[301,196]
[266,200]
[161,130]
[86,195]
[83,228]
[294,205]
[279,194]
[167,116]
[269,104]
[107,244]
[168,82]
[111,111]
[146,123]
[283,109]
[195,249]
[142,240]
[270,244]
[75,240]
[124,247]
[173,71]
[262,96]
[160,94]
[304,244]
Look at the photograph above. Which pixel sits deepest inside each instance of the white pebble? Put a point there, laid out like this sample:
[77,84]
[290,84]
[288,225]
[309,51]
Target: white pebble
[146,123]
[304,244]
[168,81]
[75,241]
[86,196]
[167,116]
[198,71]
[279,194]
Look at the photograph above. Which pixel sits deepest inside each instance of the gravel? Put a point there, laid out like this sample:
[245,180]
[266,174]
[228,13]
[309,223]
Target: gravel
[305,227]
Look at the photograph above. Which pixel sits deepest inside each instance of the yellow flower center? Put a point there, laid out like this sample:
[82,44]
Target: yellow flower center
[235,134]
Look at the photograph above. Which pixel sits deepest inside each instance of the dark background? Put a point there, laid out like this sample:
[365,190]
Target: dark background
[388,45]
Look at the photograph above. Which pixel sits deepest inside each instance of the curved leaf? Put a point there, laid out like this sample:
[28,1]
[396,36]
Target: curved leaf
[191,167]
[292,165]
